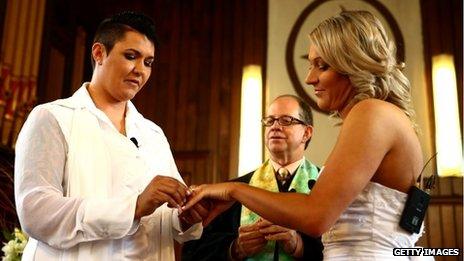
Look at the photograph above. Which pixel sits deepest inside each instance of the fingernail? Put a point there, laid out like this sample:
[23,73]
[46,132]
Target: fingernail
[189,191]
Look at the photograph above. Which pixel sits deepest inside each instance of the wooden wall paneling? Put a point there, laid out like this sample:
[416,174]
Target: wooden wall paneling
[457,18]
[458,219]
[79,59]
[184,47]
[151,100]
[216,80]
[436,222]
[202,92]
[185,120]
[434,230]
[450,212]
[198,97]
[196,94]
[174,55]
[44,55]
[3,13]
[456,223]
[220,50]
[441,189]
[232,115]
[169,19]
[59,36]
[227,50]
[448,226]
[447,215]
[457,186]
[444,216]
[260,34]
[262,50]
[248,31]
[459,229]
[442,10]
[444,186]
[215,55]
[55,74]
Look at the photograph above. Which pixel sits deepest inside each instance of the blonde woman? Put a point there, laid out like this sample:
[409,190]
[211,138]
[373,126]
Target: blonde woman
[357,202]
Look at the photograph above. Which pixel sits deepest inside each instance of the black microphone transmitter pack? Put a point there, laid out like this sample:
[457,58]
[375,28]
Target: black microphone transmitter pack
[414,210]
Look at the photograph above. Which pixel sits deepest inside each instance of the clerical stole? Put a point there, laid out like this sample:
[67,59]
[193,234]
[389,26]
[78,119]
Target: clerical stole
[264,178]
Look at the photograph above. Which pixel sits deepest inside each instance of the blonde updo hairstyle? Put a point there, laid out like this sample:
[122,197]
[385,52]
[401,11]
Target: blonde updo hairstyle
[354,43]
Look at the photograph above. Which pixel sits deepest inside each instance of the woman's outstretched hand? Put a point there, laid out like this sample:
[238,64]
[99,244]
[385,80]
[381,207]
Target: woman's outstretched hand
[218,195]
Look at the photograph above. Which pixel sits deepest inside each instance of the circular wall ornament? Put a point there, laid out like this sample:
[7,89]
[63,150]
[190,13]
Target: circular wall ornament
[314,13]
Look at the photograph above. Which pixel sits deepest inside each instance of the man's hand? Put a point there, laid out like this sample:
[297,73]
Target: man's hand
[249,241]
[160,190]
[290,240]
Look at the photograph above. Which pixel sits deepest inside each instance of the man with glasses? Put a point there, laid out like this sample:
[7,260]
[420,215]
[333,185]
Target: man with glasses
[239,233]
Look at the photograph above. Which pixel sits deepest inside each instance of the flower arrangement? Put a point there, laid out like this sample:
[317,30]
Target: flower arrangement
[13,250]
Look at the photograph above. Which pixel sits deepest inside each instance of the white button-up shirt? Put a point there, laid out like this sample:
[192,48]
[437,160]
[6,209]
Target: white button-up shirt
[100,225]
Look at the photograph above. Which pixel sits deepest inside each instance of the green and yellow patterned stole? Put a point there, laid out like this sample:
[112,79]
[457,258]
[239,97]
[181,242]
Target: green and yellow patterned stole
[264,178]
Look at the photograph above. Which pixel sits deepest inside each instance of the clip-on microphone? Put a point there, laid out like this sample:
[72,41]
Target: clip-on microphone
[134,140]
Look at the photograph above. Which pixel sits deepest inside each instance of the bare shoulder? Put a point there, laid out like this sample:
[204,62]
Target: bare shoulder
[375,107]
[376,112]
[387,129]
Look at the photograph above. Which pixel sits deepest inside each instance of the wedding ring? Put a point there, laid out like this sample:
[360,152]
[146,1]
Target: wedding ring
[191,189]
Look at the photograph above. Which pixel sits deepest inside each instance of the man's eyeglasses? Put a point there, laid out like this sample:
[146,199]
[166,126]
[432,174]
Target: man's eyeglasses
[282,120]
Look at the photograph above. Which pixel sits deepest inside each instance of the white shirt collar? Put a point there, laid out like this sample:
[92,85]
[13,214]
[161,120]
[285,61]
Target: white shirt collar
[84,100]
[290,167]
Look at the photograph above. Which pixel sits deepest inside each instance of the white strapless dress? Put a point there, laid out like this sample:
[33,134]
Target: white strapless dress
[369,228]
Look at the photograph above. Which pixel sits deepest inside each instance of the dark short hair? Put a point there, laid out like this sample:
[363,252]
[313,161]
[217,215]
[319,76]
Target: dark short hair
[114,28]
[305,113]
